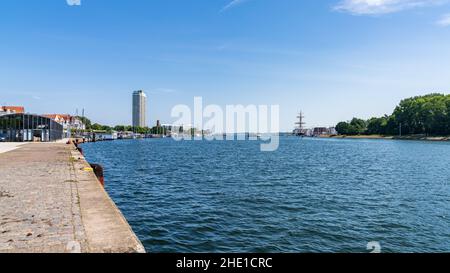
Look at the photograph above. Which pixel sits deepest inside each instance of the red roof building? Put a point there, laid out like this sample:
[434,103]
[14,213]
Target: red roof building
[13,109]
[56,117]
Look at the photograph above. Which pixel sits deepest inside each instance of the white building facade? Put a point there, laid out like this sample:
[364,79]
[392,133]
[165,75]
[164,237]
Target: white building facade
[139,109]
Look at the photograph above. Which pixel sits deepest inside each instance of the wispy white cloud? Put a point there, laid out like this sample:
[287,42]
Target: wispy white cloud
[374,7]
[444,21]
[233,4]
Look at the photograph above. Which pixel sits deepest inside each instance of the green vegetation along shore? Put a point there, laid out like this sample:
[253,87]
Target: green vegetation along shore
[405,137]
[122,128]
[419,118]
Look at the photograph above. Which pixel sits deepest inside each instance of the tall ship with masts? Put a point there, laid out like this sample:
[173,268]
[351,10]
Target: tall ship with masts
[300,125]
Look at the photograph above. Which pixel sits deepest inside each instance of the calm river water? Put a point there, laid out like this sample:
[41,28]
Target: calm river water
[312,195]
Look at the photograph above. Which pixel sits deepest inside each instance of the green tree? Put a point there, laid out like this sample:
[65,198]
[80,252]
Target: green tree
[358,126]
[343,128]
[377,126]
[159,130]
[120,128]
[142,130]
[424,114]
[392,126]
[96,127]
[429,114]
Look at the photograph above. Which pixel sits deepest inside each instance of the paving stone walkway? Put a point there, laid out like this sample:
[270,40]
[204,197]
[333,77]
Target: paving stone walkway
[50,203]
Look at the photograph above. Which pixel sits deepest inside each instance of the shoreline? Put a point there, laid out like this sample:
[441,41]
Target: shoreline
[374,137]
[410,137]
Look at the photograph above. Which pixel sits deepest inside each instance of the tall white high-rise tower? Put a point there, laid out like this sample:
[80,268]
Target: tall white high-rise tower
[139,109]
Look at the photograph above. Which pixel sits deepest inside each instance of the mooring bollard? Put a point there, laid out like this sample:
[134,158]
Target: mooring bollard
[79,149]
[98,170]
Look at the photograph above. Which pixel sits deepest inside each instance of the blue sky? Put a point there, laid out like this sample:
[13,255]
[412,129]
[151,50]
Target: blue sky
[334,59]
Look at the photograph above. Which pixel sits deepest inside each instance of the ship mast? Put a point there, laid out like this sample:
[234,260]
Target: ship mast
[300,124]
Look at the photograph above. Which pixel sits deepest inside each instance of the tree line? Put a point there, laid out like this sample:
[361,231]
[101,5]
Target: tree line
[121,128]
[428,115]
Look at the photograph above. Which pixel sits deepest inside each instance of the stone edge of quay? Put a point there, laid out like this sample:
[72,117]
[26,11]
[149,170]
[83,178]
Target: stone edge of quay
[88,214]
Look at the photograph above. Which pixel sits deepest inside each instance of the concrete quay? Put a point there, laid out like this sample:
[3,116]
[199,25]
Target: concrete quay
[52,202]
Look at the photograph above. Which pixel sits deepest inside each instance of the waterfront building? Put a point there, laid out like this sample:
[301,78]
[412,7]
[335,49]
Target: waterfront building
[77,124]
[6,110]
[332,131]
[318,131]
[323,131]
[19,127]
[69,123]
[139,109]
